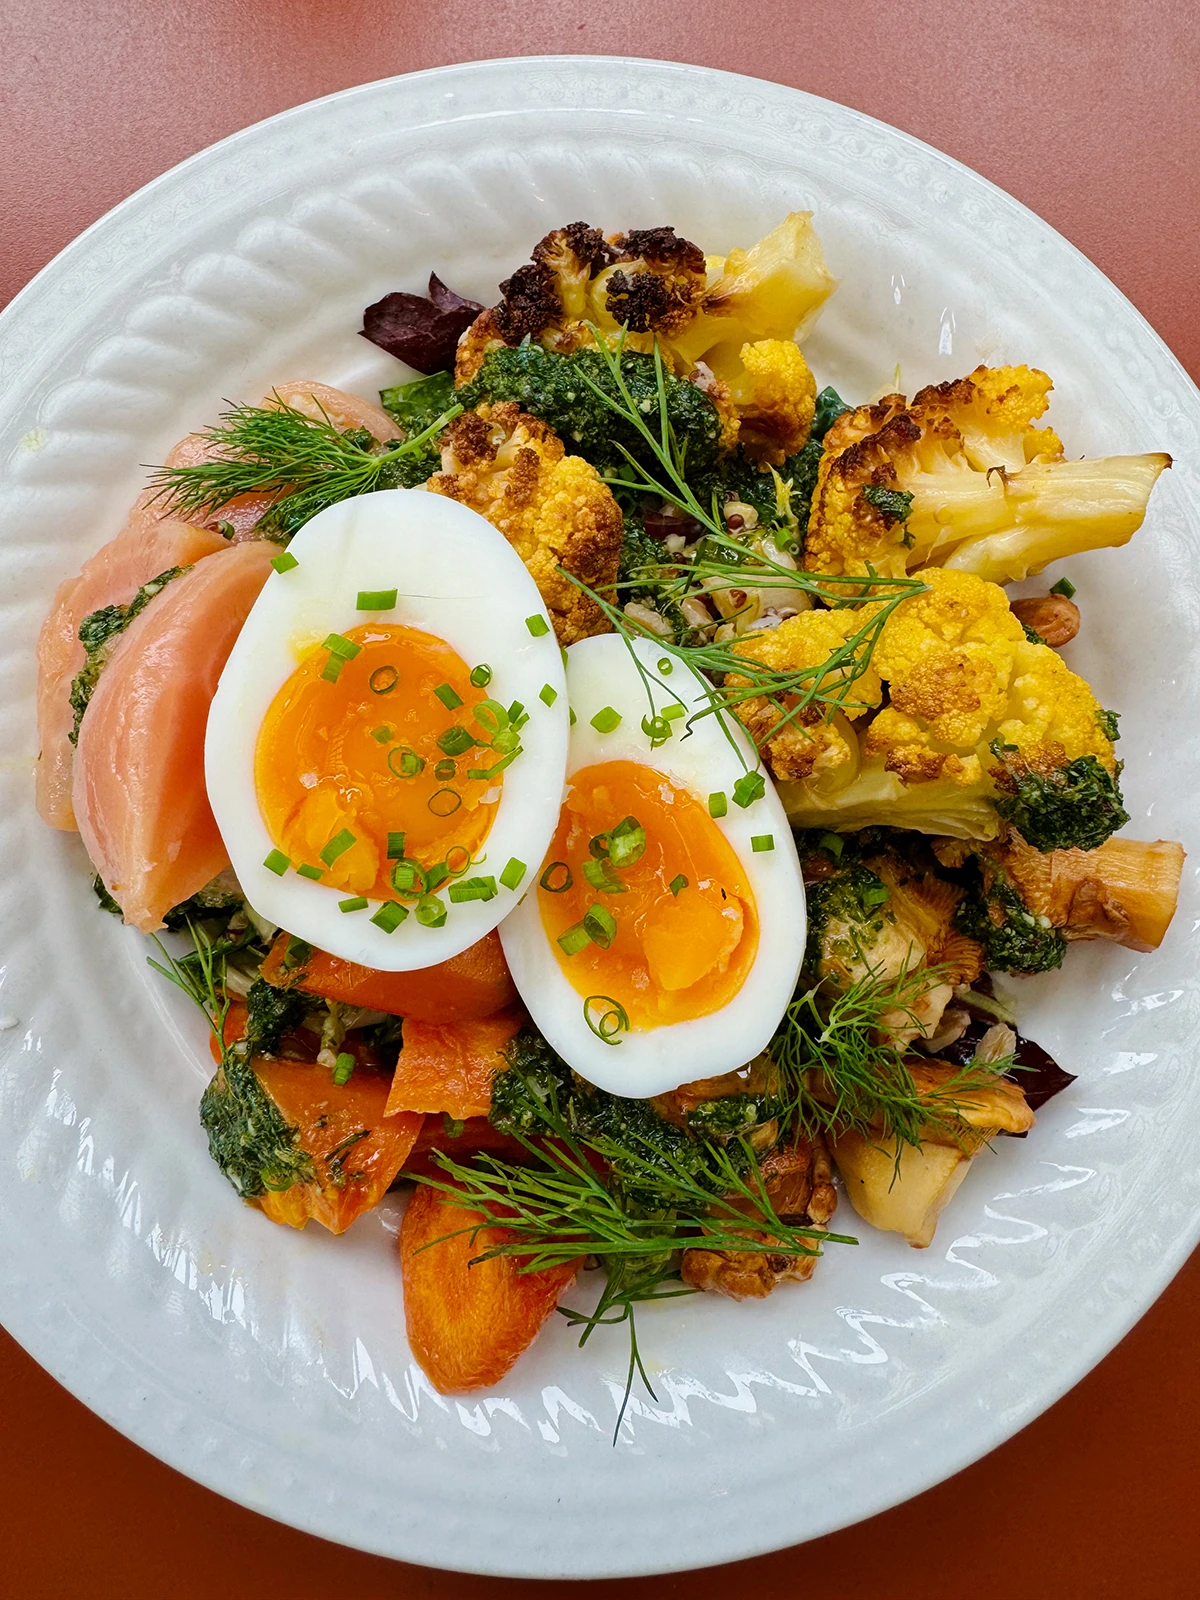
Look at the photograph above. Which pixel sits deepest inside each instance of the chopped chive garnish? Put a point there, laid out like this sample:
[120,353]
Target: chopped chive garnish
[431,913]
[678,883]
[833,844]
[277,863]
[435,876]
[356,902]
[1064,586]
[383,680]
[283,563]
[390,915]
[337,846]
[749,788]
[606,719]
[665,666]
[395,846]
[456,741]
[718,805]
[612,1021]
[338,645]
[574,939]
[481,675]
[408,877]
[444,770]
[405,763]
[310,872]
[457,871]
[491,717]
[473,889]
[657,730]
[547,695]
[600,925]
[766,841]
[343,1068]
[491,772]
[444,802]
[557,878]
[538,626]
[516,712]
[506,740]
[877,895]
[671,712]
[601,876]
[332,670]
[449,696]
[626,842]
[382,734]
[376,599]
[297,953]
[571,711]
[513,873]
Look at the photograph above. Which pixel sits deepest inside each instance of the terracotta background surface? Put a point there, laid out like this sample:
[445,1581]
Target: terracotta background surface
[1086,112]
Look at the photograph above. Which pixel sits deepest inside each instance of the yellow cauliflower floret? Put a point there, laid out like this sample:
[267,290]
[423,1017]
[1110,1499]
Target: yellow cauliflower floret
[775,395]
[1050,705]
[963,683]
[810,746]
[554,509]
[960,478]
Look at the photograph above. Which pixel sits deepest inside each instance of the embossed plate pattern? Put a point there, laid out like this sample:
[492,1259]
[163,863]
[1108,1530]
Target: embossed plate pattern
[272,1366]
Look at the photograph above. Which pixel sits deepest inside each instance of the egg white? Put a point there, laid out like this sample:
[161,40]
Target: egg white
[600,673]
[458,579]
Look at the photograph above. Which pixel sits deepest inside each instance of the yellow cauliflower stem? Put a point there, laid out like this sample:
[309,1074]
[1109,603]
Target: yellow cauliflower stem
[960,478]
[554,509]
[960,675]
[810,747]
[774,394]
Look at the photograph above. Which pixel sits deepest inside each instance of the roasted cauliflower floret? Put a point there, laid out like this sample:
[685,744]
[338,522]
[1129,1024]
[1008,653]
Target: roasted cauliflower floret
[655,284]
[960,478]
[774,395]
[554,509]
[809,747]
[982,728]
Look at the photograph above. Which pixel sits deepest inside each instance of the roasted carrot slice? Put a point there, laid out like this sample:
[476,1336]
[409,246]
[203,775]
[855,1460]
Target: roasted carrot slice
[476,1134]
[468,1320]
[449,1066]
[301,1146]
[474,984]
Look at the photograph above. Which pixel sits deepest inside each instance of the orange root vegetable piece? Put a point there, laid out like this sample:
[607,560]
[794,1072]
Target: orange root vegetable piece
[474,984]
[449,1066]
[356,1149]
[139,791]
[148,545]
[467,1324]
[477,1134]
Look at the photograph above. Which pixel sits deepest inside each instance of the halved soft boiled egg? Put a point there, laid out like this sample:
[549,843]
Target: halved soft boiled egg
[662,937]
[386,748]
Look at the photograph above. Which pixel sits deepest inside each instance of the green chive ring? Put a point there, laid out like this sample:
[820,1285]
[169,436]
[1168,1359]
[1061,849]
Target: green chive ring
[612,1021]
[383,680]
[557,878]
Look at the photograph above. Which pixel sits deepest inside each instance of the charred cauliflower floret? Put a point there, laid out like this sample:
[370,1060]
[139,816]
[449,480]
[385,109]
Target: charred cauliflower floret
[654,286]
[809,747]
[960,478]
[982,728]
[773,394]
[554,509]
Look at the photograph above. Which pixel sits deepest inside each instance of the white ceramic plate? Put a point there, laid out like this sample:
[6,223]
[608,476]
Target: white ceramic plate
[271,1365]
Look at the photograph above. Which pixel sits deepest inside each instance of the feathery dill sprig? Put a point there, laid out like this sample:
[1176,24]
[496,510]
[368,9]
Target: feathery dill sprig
[306,462]
[612,1180]
[840,1069]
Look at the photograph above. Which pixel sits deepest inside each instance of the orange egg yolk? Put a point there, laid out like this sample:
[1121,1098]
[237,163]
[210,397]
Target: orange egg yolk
[674,955]
[360,756]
